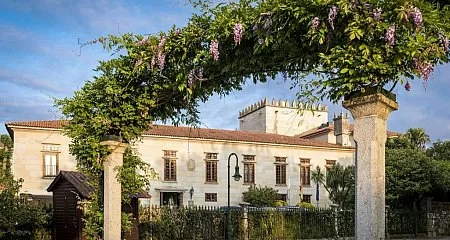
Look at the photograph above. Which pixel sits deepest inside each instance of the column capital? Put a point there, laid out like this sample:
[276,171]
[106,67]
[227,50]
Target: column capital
[115,146]
[371,105]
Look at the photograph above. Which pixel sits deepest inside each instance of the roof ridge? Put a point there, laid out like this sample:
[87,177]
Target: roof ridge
[200,133]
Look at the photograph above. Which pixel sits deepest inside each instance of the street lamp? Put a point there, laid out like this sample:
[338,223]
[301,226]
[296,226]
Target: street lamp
[236,177]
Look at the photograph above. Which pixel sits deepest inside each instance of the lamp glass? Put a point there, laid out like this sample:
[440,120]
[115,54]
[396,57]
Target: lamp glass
[236,175]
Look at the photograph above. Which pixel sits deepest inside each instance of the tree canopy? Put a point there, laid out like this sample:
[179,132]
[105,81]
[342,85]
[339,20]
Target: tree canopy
[414,138]
[440,150]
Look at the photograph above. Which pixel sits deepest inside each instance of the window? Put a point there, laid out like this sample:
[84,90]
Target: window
[306,198]
[170,165]
[282,197]
[249,169]
[280,170]
[305,172]
[51,157]
[330,163]
[211,167]
[210,197]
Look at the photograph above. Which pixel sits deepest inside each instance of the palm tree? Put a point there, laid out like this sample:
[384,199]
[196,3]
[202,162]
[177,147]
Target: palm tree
[418,137]
[339,183]
[318,177]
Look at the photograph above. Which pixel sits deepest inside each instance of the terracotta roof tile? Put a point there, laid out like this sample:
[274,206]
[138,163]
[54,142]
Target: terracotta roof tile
[203,133]
[56,124]
[330,127]
[234,135]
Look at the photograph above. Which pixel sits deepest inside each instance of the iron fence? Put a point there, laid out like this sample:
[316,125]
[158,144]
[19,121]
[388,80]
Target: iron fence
[158,223]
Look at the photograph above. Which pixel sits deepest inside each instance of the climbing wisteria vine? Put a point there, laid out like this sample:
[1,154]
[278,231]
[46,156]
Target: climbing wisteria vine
[326,49]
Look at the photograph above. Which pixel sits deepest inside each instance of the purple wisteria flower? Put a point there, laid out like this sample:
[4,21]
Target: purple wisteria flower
[315,22]
[332,14]
[355,3]
[161,60]
[141,42]
[190,81]
[377,14]
[214,49]
[408,86]
[390,35]
[200,73]
[162,42]
[423,68]
[268,24]
[255,27]
[444,42]
[153,62]
[238,31]
[416,16]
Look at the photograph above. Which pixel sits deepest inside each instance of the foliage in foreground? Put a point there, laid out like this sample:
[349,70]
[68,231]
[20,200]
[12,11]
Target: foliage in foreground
[18,220]
[261,196]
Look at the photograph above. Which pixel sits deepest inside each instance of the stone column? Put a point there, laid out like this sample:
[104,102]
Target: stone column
[370,113]
[112,190]
[244,221]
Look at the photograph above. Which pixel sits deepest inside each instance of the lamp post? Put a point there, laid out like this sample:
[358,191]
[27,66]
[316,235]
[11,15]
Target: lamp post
[236,177]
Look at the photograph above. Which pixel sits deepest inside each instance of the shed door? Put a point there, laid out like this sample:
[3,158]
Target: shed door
[66,222]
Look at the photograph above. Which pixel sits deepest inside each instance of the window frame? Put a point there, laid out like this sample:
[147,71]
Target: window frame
[305,167]
[280,171]
[170,165]
[249,169]
[210,197]
[307,198]
[50,149]
[211,163]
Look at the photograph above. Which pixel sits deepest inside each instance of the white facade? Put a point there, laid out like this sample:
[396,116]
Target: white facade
[187,166]
[193,151]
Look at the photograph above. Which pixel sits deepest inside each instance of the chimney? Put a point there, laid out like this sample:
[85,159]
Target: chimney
[342,129]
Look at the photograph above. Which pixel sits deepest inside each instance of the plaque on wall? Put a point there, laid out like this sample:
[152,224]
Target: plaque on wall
[191,165]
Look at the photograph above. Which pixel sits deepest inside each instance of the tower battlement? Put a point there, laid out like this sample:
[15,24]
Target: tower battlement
[282,116]
[282,104]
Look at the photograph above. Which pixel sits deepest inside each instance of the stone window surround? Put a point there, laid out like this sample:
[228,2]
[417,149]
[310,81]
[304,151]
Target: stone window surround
[280,171]
[211,163]
[305,163]
[170,160]
[50,149]
[249,163]
[307,198]
[210,197]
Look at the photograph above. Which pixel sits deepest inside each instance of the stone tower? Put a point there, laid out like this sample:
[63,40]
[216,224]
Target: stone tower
[342,129]
[282,117]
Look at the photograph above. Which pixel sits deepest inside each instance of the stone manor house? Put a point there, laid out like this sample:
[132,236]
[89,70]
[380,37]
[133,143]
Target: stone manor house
[276,145]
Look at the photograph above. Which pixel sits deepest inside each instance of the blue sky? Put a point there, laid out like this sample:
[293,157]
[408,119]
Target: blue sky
[40,59]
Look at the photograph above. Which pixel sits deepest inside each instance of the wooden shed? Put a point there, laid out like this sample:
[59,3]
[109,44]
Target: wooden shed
[70,187]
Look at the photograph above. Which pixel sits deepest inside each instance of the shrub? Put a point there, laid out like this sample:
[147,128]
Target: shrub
[261,196]
[280,203]
[306,205]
